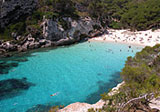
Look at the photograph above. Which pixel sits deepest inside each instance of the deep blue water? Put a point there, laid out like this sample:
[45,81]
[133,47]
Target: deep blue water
[79,73]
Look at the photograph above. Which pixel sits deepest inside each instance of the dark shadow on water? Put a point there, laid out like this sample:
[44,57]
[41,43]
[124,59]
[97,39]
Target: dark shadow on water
[99,74]
[5,67]
[43,107]
[40,108]
[103,87]
[13,87]
[9,63]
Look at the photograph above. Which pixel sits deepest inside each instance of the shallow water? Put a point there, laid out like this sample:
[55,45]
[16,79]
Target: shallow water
[79,73]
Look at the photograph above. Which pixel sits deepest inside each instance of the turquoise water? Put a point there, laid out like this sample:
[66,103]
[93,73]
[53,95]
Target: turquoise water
[79,73]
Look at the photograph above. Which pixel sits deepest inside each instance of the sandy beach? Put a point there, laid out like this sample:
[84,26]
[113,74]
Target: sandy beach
[143,38]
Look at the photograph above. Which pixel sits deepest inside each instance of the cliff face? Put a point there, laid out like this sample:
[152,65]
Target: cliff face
[40,32]
[12,10]
[54,34]
[68,29]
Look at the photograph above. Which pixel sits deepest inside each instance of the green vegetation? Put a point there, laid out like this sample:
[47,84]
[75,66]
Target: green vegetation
[117,14]
[25,25]
[142,15]
[133,14]
[51,9]
[142,82]
[18,27]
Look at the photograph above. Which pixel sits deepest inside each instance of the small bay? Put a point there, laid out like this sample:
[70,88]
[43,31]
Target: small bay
[77,73]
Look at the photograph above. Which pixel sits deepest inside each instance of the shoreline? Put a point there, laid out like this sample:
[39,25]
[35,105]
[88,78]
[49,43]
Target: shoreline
[98,39]
[83,107]
[116,36]
[140,38]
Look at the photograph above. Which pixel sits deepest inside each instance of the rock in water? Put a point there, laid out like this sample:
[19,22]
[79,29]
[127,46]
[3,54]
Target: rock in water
[12,87]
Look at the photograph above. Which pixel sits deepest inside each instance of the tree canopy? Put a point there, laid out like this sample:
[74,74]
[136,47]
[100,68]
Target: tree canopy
[117,14]
[142,82]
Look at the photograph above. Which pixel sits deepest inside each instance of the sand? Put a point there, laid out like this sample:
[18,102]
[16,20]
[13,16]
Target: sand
[144,38]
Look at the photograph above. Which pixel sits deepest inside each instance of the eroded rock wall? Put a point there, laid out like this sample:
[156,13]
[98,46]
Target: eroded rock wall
[53,30]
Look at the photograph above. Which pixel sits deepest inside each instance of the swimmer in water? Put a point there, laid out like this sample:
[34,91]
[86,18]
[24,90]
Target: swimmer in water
[54,94]
[15,103]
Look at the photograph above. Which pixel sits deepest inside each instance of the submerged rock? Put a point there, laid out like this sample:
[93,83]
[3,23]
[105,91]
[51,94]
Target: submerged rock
[5,67]
[39,108]
[12,87]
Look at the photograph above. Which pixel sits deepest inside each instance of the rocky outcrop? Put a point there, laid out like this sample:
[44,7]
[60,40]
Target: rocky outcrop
[64,31]
[24,44]
[67,29]
[82,107]
[155,103]
[55,32]
[12,10]
[61,31]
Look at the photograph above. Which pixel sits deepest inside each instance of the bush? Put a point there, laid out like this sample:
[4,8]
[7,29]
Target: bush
[140,79]
[115,25]
[96,27]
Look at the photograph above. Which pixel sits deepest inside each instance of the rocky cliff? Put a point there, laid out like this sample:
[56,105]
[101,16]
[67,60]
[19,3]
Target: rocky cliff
[51,32]
[68,30]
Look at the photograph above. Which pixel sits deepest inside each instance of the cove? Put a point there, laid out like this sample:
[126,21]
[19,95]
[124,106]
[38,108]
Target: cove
[78,73]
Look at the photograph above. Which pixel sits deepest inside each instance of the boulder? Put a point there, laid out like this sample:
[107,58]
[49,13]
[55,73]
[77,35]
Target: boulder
[42,41]
[2,51]
[8,46]
[155,103]
[33,45]
[66,41]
